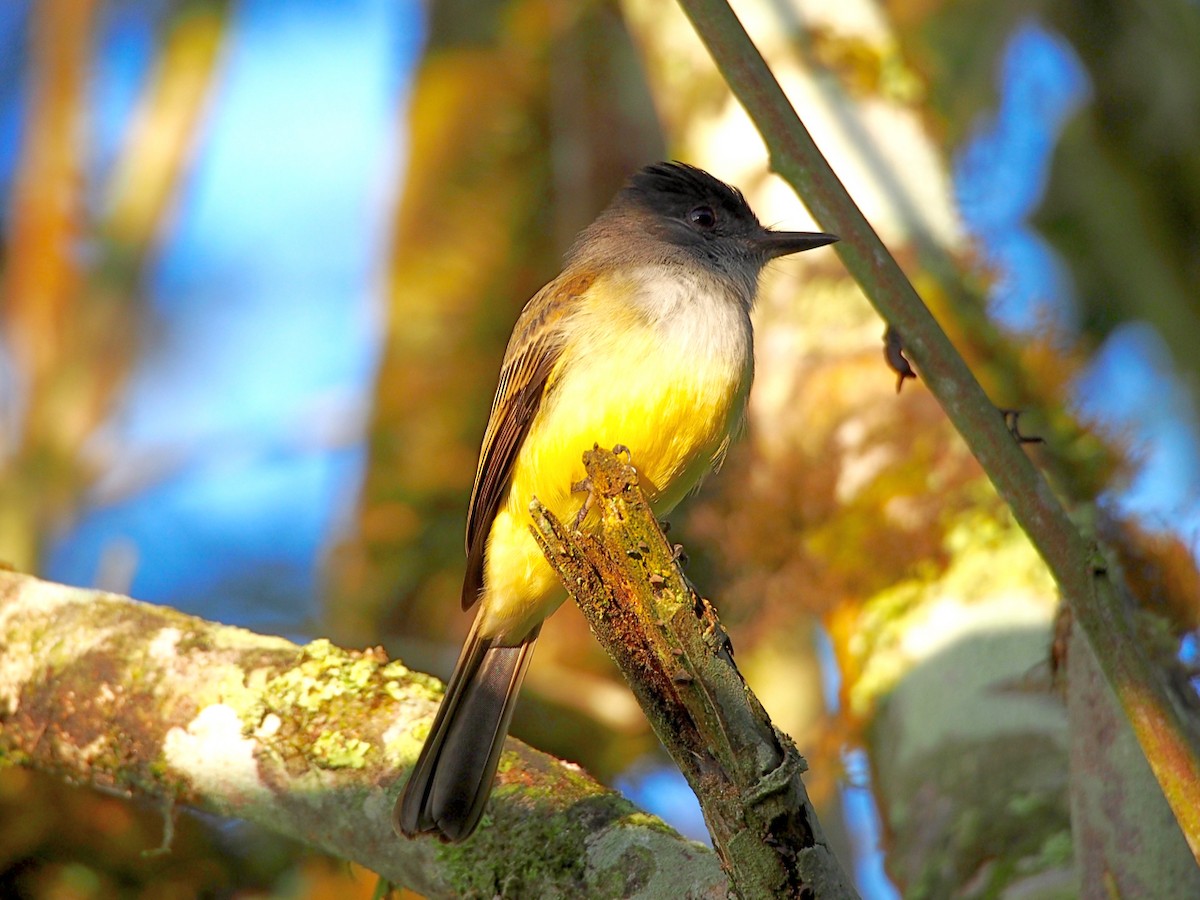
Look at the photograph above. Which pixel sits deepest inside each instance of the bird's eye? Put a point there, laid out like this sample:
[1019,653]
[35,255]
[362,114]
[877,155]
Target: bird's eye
[703,217]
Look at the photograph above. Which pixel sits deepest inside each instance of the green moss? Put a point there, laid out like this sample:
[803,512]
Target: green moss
[630,873]
[555,863]
[645,820]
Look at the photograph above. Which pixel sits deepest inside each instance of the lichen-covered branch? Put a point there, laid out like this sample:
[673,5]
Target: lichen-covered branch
[1159,716]
[311,742]
[678,660]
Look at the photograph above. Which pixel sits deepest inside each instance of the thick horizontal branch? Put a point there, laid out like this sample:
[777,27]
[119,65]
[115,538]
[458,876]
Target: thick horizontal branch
[1160,718]
[678,660]
[312,742]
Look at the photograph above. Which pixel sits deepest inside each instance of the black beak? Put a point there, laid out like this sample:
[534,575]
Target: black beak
[775,244]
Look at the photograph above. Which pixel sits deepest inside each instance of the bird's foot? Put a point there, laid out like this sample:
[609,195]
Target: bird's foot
[580,487]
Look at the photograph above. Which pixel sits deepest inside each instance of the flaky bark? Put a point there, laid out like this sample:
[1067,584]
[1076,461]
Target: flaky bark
[678,660]
[312,742]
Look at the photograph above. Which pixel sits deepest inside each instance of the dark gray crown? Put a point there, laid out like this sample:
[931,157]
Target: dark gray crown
[674,188]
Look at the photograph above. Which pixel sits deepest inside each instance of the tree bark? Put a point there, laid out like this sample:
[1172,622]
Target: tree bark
[671,648]
[312,742]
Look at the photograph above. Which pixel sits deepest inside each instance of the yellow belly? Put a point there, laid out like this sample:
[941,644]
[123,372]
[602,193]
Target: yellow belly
[673,409]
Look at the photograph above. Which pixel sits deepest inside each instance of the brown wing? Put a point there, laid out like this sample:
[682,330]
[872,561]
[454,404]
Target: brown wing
[532,354]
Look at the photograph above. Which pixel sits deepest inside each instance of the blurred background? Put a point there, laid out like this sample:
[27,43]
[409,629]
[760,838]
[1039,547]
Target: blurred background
[260,260]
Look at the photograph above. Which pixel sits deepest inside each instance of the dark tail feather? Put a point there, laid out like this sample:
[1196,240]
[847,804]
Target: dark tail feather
[452,779]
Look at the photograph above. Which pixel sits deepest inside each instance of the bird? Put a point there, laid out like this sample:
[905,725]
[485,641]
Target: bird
[644,340]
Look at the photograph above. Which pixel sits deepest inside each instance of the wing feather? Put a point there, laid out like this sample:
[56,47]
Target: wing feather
[533,352]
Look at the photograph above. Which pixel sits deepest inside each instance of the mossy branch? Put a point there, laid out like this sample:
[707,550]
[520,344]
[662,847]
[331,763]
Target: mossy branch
[1166,732]
[678,660]
[311,742]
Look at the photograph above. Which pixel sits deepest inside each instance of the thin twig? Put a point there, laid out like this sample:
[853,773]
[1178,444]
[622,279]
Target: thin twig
[1166,736]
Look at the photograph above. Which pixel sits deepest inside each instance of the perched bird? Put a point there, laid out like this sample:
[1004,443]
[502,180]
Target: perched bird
[643,340]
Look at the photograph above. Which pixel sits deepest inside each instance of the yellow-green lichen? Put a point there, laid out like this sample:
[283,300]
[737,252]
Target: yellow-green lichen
[402,683]
[312,707]
[334,750]
[324,673]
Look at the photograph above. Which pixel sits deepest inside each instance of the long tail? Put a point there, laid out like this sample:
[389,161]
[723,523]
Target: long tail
[452,779]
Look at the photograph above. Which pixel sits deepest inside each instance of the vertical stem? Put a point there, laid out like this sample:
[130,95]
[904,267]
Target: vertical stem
[1171,746]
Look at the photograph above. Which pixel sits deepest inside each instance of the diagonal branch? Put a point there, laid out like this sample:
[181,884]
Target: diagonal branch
[675,655]
[311,742]
[1166,732]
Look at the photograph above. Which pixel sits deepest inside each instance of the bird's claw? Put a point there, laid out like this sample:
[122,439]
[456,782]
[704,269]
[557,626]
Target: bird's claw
[580,487]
